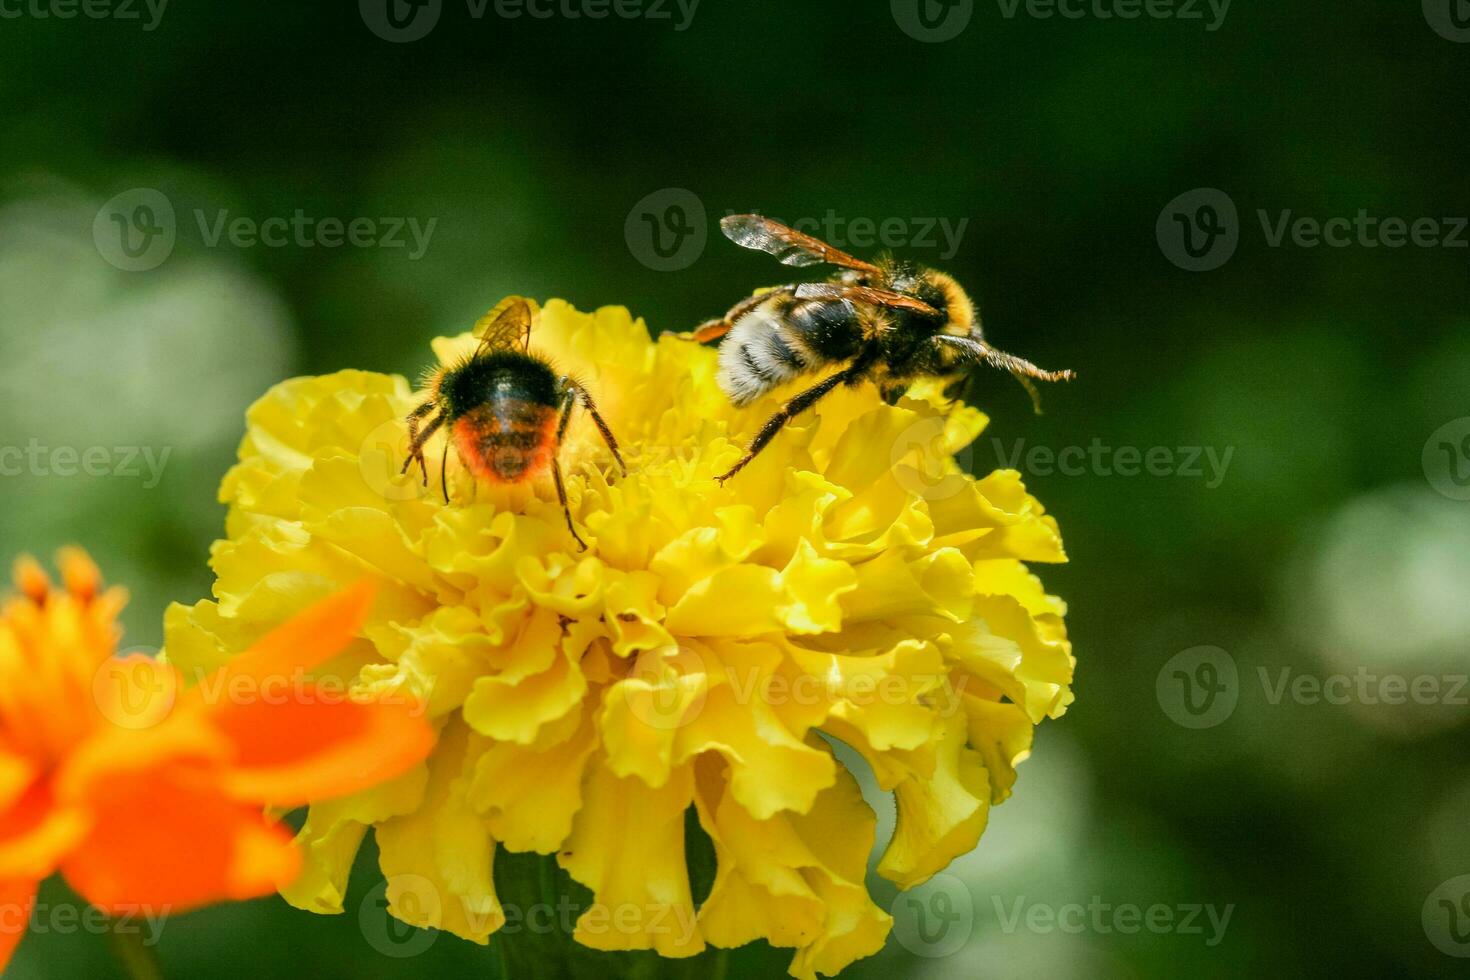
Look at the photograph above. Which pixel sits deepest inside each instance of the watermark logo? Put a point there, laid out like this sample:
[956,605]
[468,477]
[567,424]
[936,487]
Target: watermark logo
[932,21]
[380,461]
[666,688]
[1199,230]
[415,898]
[1446,459]
[134,690]
[667,230]
[921,463]
[400,21]
[1450,19]
[936,919]
[1198,687]
[135,230]
[1446,917]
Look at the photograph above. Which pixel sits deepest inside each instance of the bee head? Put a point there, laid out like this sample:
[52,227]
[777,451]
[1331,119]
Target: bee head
[940,291]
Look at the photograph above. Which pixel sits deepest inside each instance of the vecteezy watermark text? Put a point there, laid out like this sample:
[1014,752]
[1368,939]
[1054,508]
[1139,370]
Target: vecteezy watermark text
[137,691]
[124,10]
[938,918]
[1104,918]
[137,230]
[680,13]
[863,232]
[667,230]
[129,462]
[68,918]
[1181,10]
[305,231]
[402,21]
[1200,229]
[422,901]
[1096,459]
[933,21]
[1200,687]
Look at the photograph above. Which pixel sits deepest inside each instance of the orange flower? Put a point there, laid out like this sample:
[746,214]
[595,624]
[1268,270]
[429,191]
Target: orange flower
[146,795]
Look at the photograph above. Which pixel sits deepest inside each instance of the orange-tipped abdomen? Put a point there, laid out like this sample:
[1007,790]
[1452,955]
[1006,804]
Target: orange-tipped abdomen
[508,441]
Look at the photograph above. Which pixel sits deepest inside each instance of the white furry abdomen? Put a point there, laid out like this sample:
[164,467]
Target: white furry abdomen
[757,355]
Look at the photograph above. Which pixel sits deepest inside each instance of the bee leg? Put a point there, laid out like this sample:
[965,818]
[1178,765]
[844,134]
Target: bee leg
[891,394]
[416,439]
[574,390]
[715,329]
[443,470]
[561,494]
[789,411]
[1018,367]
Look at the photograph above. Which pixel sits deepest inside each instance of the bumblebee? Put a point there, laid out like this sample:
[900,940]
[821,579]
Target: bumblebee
[889,322]
[504,408]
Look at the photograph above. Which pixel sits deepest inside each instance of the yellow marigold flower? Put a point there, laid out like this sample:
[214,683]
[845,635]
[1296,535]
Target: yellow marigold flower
[852,583]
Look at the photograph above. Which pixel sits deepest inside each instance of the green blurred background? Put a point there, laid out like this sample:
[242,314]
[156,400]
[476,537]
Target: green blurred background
[1330,538]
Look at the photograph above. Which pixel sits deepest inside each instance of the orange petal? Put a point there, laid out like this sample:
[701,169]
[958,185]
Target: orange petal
[31,579]
[169,840]
[16,775]
[16,898]
[35,833]
[79,573]
[317,745]
[298,645]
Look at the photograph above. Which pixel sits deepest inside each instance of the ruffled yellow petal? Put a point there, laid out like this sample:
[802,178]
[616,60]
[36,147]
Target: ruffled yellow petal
[438,860]
[940,815]
[333,832]
[637,873]
[795,880]
[530,794]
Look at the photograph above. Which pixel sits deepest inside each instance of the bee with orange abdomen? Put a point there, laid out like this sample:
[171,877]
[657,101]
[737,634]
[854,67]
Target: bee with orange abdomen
[889,322]
[505,409]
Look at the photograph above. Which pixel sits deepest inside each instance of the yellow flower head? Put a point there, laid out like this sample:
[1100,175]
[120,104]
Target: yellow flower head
[852,584]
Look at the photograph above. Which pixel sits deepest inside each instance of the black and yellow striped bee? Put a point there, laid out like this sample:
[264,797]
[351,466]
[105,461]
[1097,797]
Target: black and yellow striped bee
[506,410]
[889,322]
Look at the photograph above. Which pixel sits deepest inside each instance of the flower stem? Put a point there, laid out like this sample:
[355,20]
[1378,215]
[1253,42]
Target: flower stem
[534,880]
[139,960]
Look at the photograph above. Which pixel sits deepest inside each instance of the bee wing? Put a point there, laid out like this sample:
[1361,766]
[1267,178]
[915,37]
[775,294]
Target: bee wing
[508,325]
[865,294]
[788,245]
